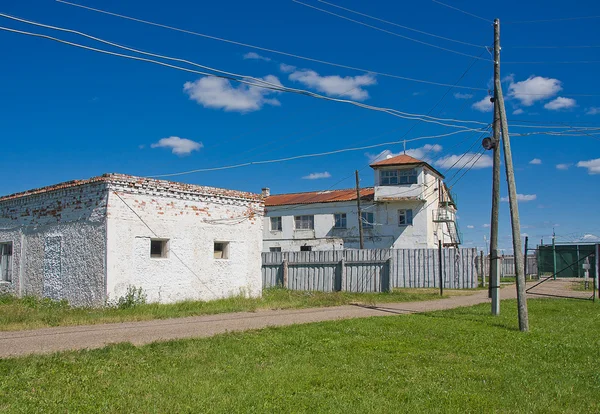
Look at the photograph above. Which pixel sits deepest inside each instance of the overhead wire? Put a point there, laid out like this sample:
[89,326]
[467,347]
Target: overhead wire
[402,26]
[552,20]
[292,55]
[260,84]
[319,154]
[390,32]
[462,11]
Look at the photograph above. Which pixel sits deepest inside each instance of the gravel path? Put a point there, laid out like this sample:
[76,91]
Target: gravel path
[47,340]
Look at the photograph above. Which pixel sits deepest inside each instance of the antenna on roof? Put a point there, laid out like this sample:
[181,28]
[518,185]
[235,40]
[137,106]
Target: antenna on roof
[404,147]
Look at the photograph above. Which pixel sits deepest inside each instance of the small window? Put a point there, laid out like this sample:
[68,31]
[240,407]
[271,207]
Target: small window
[304,222]
[389,177]
[405,217]
[306,248]
[340,221]
[158,248]
[407,176]
[367,220]
[275,249]
[276,224]
[5,262]
[221,250]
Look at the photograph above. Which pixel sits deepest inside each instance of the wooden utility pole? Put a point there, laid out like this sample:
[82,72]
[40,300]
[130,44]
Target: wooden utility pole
[360,224]
[494,276]
[512,192]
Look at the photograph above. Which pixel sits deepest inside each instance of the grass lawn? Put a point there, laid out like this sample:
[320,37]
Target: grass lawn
[32,313]
[462,360]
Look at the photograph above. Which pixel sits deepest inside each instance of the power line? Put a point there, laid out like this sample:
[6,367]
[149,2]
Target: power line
[552,20]
[324,62]
[392,33]
[462,11]
[399,25]
[564,62]
[261,84]
[320,154]
[553,47]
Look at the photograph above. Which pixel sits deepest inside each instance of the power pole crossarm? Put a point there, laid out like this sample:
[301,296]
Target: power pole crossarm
[512,196]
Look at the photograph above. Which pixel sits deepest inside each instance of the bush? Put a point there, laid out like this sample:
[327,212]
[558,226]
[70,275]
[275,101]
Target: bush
[134,297]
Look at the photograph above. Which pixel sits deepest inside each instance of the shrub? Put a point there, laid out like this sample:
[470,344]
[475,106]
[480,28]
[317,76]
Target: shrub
[133,297]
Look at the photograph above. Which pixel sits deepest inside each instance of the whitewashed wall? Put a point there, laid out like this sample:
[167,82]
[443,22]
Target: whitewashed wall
[192,224]
[59,244]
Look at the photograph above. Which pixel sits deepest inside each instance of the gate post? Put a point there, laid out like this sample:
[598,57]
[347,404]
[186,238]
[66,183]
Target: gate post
[285,274]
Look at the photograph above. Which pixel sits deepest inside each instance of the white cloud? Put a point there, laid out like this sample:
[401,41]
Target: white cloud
[470,227]
[594,110]
[508,79]
[256,56]
[486,226]
[212,92]
[179,146]
[590,238]
[518,111]
[535,88]
[560,103]
[522,198]
[350,86]
[562,166]
[484,105]
[459,95]
[317,176]
[421,153]
[286,68]
[593,166]
[535,161]
[468,160]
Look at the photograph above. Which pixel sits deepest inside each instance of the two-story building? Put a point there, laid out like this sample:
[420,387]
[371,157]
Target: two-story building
[408,207]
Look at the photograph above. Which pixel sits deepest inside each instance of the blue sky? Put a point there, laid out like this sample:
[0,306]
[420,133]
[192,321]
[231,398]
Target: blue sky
[68,113]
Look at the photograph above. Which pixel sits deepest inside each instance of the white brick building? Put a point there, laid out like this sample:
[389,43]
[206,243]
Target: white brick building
[409,207]
[87,241]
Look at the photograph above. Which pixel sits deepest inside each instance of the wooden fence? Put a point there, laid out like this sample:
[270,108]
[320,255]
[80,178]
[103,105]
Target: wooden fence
[507,266]
[369,270]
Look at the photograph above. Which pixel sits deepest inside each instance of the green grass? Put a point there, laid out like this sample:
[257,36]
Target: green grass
[32,313]
[456,361]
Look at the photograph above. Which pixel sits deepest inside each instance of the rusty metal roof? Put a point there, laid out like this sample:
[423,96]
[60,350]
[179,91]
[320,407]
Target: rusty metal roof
[404,159]
[139,183]
[329,196]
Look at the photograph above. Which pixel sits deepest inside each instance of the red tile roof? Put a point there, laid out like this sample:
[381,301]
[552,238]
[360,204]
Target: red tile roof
[139,183]
[404,159]
[314,197]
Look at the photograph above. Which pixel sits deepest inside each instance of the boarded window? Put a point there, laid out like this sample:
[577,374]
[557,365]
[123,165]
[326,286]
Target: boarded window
[158,248]
[221,250]
[5,262]
[405,217]
[340,221]
[304,222]
[276,224]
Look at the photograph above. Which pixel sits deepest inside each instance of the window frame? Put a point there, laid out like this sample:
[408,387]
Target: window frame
[164,250]
[6,268]
[408,215]
[366,223]
[343,218]
[388,177]
[225,251]
[306,248]
[280,222]
[409,175]
[300,219]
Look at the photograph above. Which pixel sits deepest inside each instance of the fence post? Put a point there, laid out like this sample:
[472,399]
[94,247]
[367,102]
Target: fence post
[440,268]
[386,277]
[524,261]
[482,269]
[342,276]
[285,274]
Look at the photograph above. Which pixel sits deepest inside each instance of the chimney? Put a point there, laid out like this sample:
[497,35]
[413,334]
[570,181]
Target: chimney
[266,192]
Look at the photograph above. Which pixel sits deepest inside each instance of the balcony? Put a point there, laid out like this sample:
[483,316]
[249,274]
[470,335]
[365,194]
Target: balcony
[443,215]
